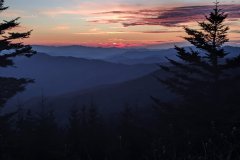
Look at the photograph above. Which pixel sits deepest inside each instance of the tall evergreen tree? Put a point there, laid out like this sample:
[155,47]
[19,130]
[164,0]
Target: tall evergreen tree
[24,137]
[47,139]
[86,135]
[132,135]
[206,81]
[75,135]
[204,77]
[11,45]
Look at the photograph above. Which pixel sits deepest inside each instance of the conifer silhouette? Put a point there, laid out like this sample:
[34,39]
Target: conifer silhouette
[204,77]
[11,45]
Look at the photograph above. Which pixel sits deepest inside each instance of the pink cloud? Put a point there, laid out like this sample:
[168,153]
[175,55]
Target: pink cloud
[166,17]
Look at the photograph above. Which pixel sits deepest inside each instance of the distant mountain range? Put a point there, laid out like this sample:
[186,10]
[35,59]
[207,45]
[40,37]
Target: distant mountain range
[55,75]
[79,51]
[143,56]
[118,55]
[109,99]
[110,77]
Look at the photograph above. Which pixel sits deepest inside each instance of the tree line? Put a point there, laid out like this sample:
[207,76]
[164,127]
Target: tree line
[130,135]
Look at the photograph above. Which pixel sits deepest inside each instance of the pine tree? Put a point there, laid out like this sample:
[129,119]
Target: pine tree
[203,77]
[86,135]
[205,80]
[6,133]
[133,139]
[24,134]
[75,135]
[47,136]
[95,135]
[11,45]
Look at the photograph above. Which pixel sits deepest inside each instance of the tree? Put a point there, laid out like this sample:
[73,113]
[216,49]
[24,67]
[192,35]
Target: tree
[24,138]
[76,127]
[11,45]
[47,138]
[133,139]
[204,77]
[86,134]
[207,83]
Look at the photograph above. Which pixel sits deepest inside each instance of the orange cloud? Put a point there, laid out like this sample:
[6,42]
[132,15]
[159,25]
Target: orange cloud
[88,8]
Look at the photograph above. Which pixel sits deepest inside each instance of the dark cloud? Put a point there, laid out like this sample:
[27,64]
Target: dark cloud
[235,31]
[106,21]
[170,17]
[142,12]
[155,32]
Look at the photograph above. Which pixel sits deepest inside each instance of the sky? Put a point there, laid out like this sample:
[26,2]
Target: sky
[115,23]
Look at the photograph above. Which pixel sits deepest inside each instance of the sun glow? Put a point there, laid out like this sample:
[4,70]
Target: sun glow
[115,24]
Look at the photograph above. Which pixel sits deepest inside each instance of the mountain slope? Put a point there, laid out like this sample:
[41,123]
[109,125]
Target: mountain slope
[80,51]
[109,99]
[58,75]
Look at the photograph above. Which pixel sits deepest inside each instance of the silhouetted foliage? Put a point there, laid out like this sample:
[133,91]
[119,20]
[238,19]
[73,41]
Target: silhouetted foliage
[10,87]
[207,84]
[86,134]
[202,72]
[10,47]
[203,78]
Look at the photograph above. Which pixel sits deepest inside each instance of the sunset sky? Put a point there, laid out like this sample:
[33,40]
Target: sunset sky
[115,23]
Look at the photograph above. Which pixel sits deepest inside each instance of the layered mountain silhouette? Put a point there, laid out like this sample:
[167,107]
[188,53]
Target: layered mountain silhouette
[80,51]
[109,99]
[119,55]
[112,79]
[55,75]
